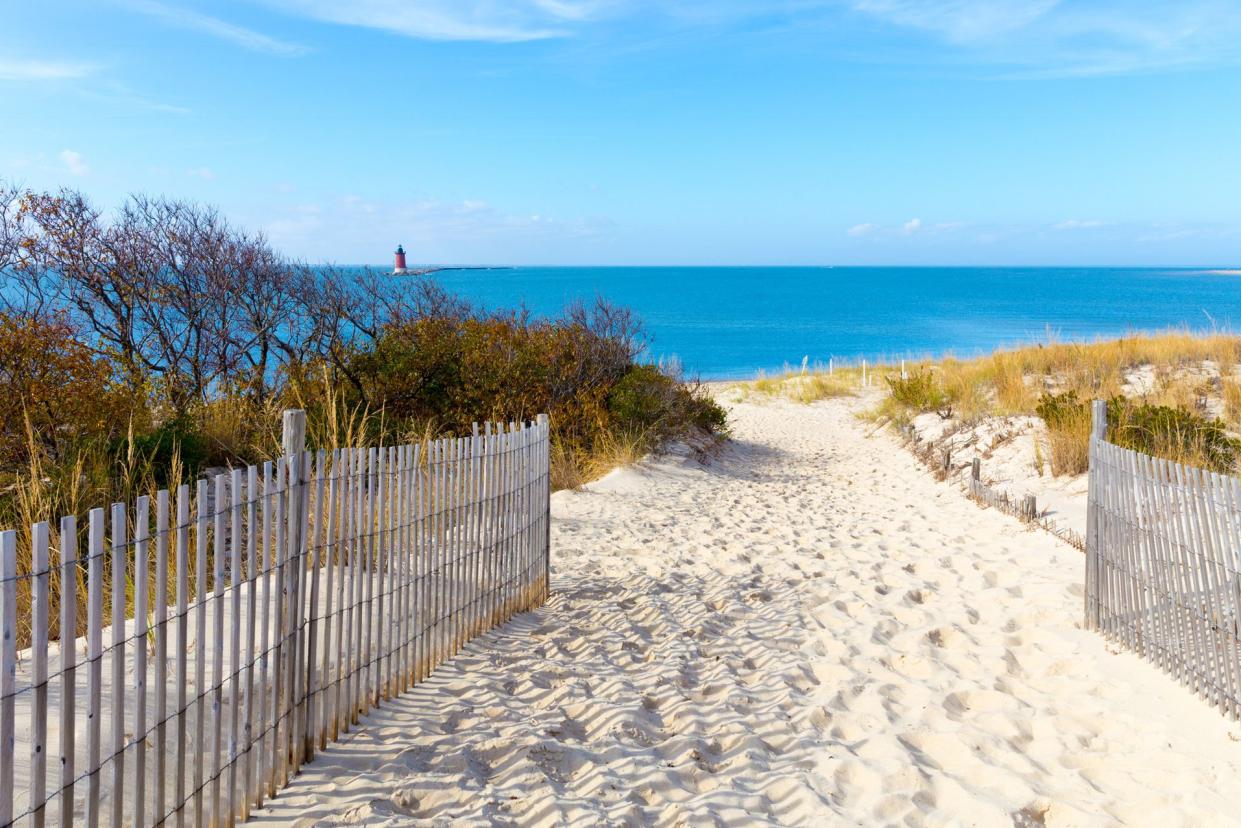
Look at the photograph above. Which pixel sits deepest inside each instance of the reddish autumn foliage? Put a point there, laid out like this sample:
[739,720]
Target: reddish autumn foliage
[57,391]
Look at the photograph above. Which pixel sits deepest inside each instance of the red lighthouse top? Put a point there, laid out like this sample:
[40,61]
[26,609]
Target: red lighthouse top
[400,258]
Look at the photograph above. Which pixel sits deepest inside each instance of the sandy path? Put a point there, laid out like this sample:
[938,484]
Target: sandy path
[808,630]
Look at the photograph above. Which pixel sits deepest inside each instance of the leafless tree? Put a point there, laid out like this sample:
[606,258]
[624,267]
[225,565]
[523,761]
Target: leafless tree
[10,225]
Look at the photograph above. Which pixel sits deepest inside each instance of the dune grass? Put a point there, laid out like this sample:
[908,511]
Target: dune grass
[1174,394]
[805,386]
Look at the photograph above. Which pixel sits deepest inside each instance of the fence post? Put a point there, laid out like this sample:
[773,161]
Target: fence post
[1098,419]
[293,446]
[545,431]
[1098,433]
[8,669]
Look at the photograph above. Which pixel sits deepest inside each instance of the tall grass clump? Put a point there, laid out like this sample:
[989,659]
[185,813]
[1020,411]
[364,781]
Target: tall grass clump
[819,386]
[1068,432]
[1174,434]
[919,391]
[1012,394]
[1230,390]
[803,387]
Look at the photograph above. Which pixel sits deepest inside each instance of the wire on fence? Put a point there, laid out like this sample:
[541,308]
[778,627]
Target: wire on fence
[253,621]
[1162,566]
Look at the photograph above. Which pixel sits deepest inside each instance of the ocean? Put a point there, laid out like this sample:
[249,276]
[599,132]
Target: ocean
[730,322]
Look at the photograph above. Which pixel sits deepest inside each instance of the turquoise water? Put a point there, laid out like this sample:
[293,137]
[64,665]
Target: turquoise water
[732,322]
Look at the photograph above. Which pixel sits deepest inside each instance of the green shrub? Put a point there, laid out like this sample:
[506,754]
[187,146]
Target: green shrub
[1062,409]
[644,397]
[1175,434]
[705,412]
[172,442]
[449,370]
[1068,432]
[648,400]
[919,391]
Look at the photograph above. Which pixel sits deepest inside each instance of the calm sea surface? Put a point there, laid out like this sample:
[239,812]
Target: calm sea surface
[732,322]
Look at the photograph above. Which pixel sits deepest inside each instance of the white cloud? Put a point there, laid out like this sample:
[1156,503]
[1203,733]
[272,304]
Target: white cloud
[912,226]
[960,20]
[421,224]
[197,21]
[1013,37]
[1078,224]
[1047,38]
[74,162]
[36,70]
[117,95]
[205,173]
[451,19]
[862,229]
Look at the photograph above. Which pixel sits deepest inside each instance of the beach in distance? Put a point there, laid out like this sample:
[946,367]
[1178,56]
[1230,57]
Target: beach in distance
[731,322]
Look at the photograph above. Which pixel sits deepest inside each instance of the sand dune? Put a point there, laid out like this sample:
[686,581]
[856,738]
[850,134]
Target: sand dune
[807,630]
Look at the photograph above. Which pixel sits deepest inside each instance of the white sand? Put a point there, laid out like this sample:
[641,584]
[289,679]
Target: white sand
[1006,448]
[808,630]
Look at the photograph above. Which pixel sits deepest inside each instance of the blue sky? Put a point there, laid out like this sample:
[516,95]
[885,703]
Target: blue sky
[645,132]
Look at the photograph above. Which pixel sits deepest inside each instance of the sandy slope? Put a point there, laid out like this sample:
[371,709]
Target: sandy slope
[808,630]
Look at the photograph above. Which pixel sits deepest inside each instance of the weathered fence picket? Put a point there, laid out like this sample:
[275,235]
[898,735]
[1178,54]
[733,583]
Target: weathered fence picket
[1163,565]
[253,619]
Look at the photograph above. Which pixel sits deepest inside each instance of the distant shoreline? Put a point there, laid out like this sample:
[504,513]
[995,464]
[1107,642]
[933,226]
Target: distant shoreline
[424,271]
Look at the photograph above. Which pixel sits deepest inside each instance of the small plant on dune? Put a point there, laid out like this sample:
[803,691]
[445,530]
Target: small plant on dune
[1173,434]
[565,467]
[764,384]
[1012,393]
[814,387]
[1068,432]
[1230,389]
[616,449]
[1162,431]
[919,391]
[806,388]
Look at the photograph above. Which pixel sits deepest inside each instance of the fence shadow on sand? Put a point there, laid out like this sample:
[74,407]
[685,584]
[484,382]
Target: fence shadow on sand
[638,699]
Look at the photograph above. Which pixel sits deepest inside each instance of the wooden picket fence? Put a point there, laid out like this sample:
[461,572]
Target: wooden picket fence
[1163,557]
[286,601]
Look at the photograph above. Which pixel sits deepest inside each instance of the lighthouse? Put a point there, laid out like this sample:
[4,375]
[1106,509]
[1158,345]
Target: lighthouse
[400,260]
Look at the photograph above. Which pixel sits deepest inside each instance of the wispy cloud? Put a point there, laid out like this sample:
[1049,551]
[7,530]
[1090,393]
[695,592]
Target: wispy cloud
[205,173]
[119,94]
[1014,38]
[421,224]
[39,70]
[452,19]
[1045,38]
[1079,234]
[185,18]
[74,162]
[963,21]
